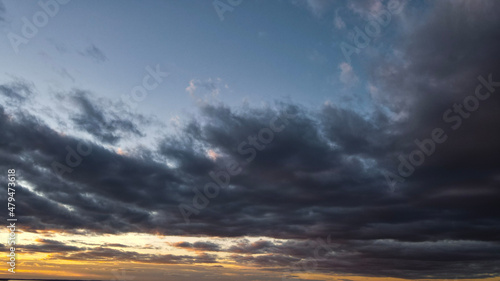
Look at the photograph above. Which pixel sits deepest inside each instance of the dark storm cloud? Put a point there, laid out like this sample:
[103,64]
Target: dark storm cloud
[107,254]
[94,53]
[381,258]
[97,120]
[456,43]
[50,246]
[118,245]
[266,260]
[32,148]
[258,247]
[320,176]
[306,188]
[198,246]
[206,246]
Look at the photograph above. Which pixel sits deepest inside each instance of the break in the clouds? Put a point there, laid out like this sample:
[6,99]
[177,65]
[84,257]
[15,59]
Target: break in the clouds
[322,175]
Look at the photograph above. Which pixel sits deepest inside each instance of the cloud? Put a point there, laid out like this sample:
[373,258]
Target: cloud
[367,8]
[63,72]
[318,167]
[347,75]
[317,180]
[318,7]
[265,260]
[103,124]
[17,92]
[58,45]
[108,254]
[94,53]
[317,57]
[321,177]
[338,21]
[258,247]
[2,11]
[49,246]
[118,245]
[192,87]
[210,86]
[198,246]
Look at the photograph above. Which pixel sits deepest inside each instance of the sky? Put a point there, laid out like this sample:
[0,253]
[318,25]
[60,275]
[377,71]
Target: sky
[251,140]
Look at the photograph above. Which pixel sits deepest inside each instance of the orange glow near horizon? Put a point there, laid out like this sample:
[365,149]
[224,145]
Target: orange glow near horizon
[28,264]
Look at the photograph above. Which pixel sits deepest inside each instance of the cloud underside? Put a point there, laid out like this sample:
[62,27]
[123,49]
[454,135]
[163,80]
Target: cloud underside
[322,176]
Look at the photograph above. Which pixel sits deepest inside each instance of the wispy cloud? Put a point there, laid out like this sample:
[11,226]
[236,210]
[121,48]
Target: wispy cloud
[205,88]
[94,53]
[347,75]
[2,11]
[317,7]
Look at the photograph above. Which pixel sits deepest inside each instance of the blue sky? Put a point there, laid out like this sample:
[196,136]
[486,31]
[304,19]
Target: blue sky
[289,50]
